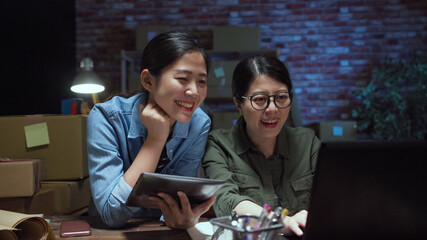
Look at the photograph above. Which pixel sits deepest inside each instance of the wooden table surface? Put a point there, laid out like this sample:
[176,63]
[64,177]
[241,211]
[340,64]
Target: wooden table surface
[145,228]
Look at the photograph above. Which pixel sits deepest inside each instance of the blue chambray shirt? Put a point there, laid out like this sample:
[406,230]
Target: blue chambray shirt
[114,137]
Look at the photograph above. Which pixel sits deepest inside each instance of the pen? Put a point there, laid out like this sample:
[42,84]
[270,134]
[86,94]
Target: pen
[245,223]
[274,219]
[285,213]
[276,202]
[234,215]
[263,216]
[277,213]
[240,223]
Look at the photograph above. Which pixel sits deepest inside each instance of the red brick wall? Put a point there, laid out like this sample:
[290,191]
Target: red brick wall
[330,46]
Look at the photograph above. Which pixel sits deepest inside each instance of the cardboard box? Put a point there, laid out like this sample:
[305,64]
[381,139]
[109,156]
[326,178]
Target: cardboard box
[336,130]
[217,92]
[69,195]
[231,38]
[80,212]
[224,120]
[219,79]
[134,82]
[64,151]
[221,73]
[20,177]
[144,33]
[41,203]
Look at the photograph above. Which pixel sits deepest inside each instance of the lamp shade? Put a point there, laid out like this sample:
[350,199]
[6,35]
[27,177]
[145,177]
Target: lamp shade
[87,81]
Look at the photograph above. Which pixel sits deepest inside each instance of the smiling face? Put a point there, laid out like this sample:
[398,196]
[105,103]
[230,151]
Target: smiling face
[181,87]
[265,124]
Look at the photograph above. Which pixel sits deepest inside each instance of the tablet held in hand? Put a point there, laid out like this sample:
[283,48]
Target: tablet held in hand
[198,190]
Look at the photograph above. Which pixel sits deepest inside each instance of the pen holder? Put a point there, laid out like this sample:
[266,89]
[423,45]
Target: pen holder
[223,228]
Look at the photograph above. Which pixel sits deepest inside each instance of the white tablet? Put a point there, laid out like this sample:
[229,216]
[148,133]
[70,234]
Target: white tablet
[198,190]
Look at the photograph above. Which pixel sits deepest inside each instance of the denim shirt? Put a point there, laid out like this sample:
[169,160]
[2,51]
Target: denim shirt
[114,137]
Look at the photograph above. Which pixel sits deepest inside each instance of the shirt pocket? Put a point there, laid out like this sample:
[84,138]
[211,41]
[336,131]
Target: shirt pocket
[302,188]
[248,185]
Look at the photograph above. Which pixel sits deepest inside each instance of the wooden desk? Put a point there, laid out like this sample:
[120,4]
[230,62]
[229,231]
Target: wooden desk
[145,228]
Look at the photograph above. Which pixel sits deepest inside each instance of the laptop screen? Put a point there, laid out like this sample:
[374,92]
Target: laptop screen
[369,190]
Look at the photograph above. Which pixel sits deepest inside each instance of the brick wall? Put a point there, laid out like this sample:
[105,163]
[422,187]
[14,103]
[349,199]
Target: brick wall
[330,47]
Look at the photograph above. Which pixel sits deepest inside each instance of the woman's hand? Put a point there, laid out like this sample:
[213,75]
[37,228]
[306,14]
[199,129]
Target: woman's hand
[157,121]
[184,217]
[293,224]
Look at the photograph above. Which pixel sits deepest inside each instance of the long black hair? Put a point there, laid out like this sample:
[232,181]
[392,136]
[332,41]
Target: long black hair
[163,50]
[166,48]
[250,68]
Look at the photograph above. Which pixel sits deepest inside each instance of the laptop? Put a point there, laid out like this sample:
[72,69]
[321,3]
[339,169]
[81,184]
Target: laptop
[369,190]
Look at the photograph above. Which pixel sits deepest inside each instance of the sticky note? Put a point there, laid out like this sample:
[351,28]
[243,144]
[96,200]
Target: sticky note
[36,134]
[337,131]
[219,72]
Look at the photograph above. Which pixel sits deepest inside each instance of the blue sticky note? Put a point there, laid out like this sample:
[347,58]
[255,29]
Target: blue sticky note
[219,72]
[337,131]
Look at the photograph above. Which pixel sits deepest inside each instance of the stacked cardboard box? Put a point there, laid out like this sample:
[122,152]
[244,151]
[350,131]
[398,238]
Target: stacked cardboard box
[20,187]
[224,120]
[19,177]
[229,39]
[70,196]
[144,33]
[232,38]
[219,80]
[63,153]
[335,130]
[42,202]
[59,141]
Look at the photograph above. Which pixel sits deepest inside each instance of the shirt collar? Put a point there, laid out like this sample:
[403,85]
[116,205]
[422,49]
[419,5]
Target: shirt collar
[137,129]
[241,138]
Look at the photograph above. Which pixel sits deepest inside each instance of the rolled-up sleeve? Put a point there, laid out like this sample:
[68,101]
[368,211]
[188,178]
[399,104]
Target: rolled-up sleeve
[106,164]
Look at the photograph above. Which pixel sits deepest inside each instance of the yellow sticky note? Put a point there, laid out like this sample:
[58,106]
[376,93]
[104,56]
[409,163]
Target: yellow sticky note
[36,134]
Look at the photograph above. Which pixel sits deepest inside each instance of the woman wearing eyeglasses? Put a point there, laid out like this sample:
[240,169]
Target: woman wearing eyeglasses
[260,158]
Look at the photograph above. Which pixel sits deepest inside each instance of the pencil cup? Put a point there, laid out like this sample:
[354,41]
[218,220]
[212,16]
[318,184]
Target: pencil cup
[242,227]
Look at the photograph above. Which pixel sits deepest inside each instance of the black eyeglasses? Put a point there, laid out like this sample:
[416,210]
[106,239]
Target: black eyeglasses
[262,101]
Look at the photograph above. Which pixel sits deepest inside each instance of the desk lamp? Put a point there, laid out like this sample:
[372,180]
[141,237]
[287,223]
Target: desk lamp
[87,81]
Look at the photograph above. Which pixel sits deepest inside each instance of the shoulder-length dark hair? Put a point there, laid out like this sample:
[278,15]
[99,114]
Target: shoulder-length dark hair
[250,68]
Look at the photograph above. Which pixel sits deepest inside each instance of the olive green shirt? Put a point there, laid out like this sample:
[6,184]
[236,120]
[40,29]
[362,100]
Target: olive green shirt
[287,174]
